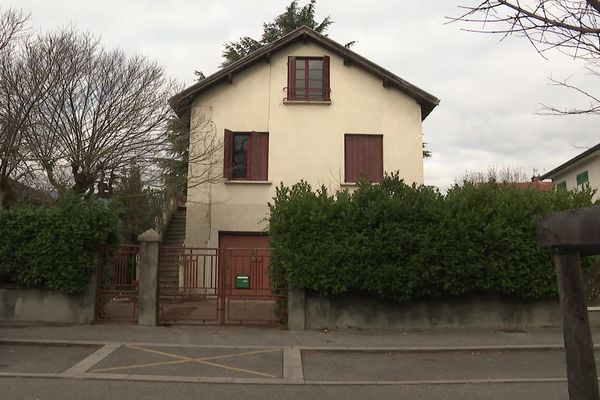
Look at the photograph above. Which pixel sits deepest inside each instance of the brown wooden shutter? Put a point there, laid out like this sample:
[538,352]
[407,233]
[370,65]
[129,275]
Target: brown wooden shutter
[363,158]
[259,157]
[227,154]
[326,88]
[291,87]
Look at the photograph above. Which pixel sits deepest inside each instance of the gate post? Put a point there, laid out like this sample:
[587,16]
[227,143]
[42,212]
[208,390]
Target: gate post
[148,278]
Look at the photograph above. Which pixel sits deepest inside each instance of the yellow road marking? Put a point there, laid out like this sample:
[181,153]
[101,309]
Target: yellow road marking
[238,369]
[162,353]
[183,360]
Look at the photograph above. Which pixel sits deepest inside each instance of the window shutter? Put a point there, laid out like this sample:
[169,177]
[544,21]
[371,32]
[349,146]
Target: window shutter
[363,158]
[291,86]
[326,88]
[227,154]
[259,159]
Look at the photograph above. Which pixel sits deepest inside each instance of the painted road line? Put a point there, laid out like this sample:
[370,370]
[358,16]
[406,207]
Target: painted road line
[91,360]
[292,364]
[184,359]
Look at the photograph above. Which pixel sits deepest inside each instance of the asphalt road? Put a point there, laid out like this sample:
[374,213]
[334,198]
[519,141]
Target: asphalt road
[61,389]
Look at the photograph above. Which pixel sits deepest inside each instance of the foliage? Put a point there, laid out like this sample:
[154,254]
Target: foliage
[141,205]
[175,165]
[409,242]
[55,247]
[291,19]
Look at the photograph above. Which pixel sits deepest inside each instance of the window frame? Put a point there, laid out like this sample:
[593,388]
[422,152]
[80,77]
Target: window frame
[252,175]
[562,185]
[380,168]
[325,82]
[582,179]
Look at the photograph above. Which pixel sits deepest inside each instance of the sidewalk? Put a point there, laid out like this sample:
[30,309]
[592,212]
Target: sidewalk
[253,336]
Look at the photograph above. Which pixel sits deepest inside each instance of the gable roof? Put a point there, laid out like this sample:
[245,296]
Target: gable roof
[572,161]
[181,102]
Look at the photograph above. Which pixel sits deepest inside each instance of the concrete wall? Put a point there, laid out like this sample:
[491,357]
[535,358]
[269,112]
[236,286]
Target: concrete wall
[306,141]
[590,164]
[29,305]
[351,311]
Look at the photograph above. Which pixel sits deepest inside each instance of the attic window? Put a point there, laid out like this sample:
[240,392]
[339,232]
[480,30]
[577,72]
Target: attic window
[308,79]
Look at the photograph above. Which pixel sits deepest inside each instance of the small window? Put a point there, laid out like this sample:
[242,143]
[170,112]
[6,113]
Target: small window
[363,158]
[561,185]
[308,78]
[246,155]
[582,180]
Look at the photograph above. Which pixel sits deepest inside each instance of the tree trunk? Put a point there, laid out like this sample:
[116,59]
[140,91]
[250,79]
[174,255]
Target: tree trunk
[6,197]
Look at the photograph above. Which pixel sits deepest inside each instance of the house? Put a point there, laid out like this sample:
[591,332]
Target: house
[581,170]
[302,108]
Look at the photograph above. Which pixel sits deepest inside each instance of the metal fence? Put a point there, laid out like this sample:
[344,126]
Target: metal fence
[220,286]
[117,292]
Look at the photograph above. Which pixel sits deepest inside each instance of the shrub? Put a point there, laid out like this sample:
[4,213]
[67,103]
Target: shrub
[55,247]
[409,242]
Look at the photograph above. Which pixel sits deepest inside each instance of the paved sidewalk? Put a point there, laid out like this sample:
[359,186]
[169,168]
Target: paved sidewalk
[244,336]
[276,363]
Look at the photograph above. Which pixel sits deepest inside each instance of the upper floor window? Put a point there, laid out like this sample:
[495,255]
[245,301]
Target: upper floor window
[308,78]
[582,180]
[246,156]
[363,158]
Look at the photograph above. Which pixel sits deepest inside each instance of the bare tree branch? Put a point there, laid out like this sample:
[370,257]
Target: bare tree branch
[569,26]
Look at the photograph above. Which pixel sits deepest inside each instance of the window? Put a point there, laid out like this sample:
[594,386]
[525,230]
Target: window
[582,180]
[561,185]
[246,155]
[363,158]
[308,78]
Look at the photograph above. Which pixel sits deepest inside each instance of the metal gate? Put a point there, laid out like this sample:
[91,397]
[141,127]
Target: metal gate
[117,291]
[220,286]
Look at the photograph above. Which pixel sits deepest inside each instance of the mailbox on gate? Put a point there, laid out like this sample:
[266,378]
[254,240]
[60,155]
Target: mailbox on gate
[242,282]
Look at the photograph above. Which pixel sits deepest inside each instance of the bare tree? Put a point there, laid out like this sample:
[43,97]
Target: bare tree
[24,81]
[569,26]
[105,112]
[496,174]
[13,27]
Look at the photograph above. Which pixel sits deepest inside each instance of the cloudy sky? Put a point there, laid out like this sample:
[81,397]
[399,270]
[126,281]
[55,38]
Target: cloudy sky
[489,89]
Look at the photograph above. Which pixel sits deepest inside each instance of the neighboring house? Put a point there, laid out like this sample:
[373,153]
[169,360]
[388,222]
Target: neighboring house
[303,108]
[579,171]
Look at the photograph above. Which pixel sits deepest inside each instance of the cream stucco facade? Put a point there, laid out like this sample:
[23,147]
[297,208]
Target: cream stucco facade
[568,174]
[306,141]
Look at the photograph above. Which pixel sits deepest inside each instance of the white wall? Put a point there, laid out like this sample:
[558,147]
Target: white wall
[306,141]
[590,164]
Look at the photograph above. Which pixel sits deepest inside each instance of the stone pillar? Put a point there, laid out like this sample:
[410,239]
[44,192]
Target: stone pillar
[296,309]
[148,278]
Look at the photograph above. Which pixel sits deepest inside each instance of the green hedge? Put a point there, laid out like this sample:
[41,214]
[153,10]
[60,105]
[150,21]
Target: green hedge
[410,242]
[55,247]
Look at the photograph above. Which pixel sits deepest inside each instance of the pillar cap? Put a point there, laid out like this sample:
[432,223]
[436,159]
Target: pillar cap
[149,236]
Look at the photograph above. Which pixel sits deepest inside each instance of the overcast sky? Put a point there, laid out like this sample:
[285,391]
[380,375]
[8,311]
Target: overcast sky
[489,89]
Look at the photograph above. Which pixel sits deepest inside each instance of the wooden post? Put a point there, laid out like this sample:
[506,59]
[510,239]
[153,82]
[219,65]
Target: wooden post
[581,363]
[569,234]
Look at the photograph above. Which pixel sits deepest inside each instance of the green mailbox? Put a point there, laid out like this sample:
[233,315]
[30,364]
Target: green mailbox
[242,282]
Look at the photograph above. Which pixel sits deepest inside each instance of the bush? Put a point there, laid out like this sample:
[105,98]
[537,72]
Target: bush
[409,242]
[55,247]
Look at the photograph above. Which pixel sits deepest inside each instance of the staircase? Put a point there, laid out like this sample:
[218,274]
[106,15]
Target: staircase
[174,236]
[175,233]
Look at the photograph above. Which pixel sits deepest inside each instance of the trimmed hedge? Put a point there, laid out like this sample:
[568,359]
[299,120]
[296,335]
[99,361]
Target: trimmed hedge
[55,247]
[411,242]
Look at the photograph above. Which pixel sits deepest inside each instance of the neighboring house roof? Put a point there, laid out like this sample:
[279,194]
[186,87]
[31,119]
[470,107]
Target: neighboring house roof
[30,194]
[535,185]
[181,102]
[579,157]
